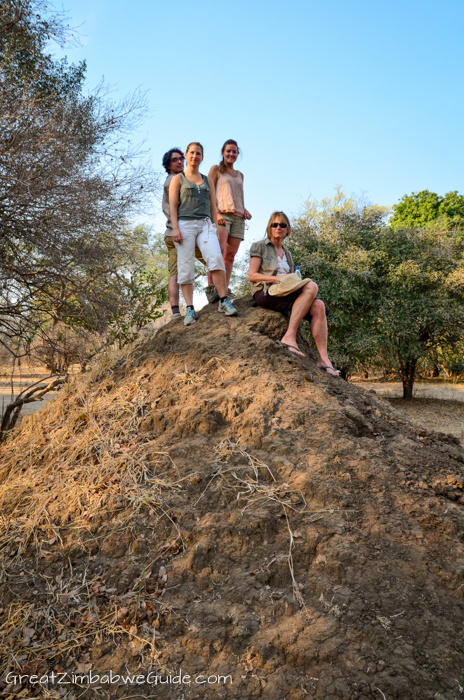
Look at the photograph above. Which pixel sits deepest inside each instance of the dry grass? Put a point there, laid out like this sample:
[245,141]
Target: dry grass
[438,405]
[82,464]
[84,455]
[78,612]
[189,376]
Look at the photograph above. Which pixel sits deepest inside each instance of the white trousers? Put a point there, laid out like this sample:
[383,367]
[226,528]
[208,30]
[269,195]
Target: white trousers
[201,232]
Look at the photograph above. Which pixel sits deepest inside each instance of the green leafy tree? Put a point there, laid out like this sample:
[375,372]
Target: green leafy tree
[425,209]
[393,295]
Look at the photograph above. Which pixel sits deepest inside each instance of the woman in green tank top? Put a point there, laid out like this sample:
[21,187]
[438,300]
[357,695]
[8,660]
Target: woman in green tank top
[192,204]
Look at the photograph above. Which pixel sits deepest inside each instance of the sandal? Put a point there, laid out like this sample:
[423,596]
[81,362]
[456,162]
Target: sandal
[293,349]
[329,369]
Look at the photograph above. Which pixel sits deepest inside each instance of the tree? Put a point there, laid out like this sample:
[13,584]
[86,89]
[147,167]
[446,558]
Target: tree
[134,293]
[70,180]
[394,295]
[423,209]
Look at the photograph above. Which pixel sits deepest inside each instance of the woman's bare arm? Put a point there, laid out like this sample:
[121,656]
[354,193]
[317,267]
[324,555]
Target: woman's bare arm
[255,276]
[213,175]
[174,189]
[212,201]
[246,213]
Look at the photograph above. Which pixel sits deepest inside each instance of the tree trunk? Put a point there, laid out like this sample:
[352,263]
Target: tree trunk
[408,370]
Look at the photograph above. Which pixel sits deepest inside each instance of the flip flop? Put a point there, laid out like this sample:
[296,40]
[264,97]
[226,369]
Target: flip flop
[298,352]
[326,369]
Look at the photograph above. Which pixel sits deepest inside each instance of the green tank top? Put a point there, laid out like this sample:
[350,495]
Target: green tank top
[193,199]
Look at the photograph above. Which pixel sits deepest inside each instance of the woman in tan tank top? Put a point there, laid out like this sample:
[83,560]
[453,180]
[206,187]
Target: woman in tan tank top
[231,208]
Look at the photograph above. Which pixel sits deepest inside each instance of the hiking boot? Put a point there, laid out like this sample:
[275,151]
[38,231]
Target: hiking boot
[176,314]
[226,307]
[190,317]
[211,294]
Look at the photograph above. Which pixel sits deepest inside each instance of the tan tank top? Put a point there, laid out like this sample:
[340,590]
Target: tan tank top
[229,193]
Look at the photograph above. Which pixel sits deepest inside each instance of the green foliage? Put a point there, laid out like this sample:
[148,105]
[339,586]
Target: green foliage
[143,297]
[128,296]
[157,257]
[393,295]
[425,209]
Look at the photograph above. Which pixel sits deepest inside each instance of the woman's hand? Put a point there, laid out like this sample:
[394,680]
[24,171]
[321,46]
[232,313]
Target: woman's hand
[176,235]
[221,220]
[246,214]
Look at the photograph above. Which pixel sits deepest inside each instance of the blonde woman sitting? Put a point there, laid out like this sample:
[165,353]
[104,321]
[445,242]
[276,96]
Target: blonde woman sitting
[270,262]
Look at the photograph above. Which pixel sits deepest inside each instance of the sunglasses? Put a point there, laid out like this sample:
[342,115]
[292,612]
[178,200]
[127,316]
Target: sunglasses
[279,225]
[176,160]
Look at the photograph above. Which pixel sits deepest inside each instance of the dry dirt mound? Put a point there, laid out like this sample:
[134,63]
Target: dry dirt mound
[211,503]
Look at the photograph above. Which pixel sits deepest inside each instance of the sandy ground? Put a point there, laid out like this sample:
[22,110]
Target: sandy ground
[436,405]
[431,389]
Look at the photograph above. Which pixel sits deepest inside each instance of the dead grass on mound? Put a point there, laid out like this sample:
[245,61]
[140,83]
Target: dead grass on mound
[79,612]
[82,463]
[83,458]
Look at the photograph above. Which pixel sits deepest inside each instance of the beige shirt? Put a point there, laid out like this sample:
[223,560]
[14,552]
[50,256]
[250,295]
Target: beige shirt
[229,194]
[269,262]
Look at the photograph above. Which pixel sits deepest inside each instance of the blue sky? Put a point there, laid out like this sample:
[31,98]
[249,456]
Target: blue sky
[363,94]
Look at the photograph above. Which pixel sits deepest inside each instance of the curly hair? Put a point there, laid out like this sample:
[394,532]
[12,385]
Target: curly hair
[167,158]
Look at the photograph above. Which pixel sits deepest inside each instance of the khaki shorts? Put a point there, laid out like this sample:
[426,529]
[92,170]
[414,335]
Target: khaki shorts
[172,255]
[235,225]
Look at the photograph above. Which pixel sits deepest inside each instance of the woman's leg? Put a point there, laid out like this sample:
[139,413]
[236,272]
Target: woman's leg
[300,308]
[222,235]
[173,285]
[319,333]
[236,229]
[219,281]
[186,259]
[187,293]
[208,243]
[232,247]
[315,315]
[298,303]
